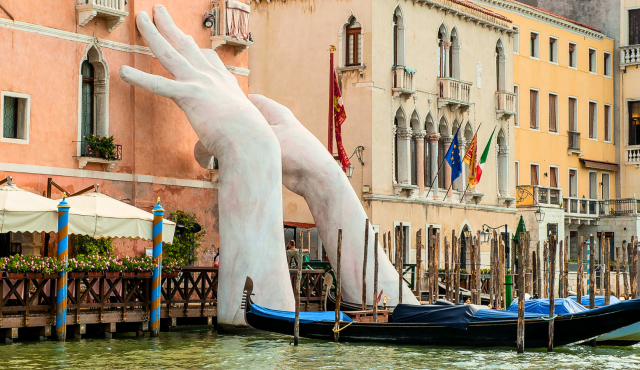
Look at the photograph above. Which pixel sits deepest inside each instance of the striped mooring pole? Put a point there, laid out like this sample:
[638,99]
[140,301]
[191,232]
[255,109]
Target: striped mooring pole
[156,277]
[63,253]
[588,272]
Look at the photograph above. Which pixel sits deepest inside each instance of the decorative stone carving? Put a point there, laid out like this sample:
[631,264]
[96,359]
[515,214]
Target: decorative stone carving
[404,133]
[433,137]
[420,134]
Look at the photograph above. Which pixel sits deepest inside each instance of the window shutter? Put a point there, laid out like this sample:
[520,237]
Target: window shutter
[552,114]
[592,107]
[533,109]
[634,27]
[554,177]
[10,119]
[572,114]
[534,174]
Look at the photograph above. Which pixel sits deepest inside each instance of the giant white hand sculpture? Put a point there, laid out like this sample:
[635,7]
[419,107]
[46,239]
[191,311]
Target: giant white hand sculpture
[310,171]
[230,127]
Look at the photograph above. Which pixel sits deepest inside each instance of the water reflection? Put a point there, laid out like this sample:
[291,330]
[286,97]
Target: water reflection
[207,349]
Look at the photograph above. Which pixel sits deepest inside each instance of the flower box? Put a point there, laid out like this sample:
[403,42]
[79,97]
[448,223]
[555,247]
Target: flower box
[77,274]
[170,274]
[50,276]
[34,275]
[16,274]
[113,274]
[143,274]
[128,274]
[95,274]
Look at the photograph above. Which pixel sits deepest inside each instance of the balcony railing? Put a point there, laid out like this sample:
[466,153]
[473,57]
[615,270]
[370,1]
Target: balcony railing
[618,207]
[111,10]
[633,155]
[582,206]
[87,156]
[505,104]
[629,55]
[453,92]
[230,25]
[542,194]
[403,80]
[574,140]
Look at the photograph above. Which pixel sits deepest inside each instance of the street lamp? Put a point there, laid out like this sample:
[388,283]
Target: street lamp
[486,231]
[358,153]
[467,233]
[350,171]
[522,195]
[539,215]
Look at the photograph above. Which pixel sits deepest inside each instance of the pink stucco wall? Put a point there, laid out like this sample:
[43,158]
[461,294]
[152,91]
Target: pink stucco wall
[156,138]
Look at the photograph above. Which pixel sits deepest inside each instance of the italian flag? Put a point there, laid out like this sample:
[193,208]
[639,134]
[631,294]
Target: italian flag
[471,158]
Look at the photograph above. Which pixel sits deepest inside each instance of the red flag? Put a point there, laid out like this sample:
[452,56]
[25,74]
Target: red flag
[339,115]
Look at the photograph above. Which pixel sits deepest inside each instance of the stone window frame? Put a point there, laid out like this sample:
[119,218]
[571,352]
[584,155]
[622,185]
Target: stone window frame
[516,40]
[536,45]
[593,61]
[554,50]
[575,55]
[342,42]
[24,119]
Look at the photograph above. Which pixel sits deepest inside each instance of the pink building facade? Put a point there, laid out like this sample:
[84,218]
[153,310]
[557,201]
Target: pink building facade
[60,81]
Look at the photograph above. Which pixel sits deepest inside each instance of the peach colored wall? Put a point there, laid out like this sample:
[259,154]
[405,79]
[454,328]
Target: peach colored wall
[156,138]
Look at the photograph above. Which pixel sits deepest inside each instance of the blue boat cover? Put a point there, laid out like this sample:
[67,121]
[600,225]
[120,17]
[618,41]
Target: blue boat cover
[599,300]
[305,317]
[563,306]
[500,315]
[451,316]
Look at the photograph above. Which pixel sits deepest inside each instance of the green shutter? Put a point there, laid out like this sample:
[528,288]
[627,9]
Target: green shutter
[10,119]
[86,124]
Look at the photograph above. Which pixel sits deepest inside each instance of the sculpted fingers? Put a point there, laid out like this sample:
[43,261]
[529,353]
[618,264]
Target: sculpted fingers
[156,84]
[274,112]
[170,59]
[184,44]
[214,59]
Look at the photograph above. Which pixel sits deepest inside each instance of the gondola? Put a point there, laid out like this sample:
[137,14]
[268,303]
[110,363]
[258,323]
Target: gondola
[484,327]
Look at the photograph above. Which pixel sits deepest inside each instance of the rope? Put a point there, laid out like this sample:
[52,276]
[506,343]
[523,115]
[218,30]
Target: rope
[341,329]
[549,319]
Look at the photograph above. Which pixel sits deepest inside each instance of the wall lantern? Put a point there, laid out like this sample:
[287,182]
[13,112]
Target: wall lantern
[208,20]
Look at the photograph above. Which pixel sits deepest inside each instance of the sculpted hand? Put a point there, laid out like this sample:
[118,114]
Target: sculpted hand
[230,127]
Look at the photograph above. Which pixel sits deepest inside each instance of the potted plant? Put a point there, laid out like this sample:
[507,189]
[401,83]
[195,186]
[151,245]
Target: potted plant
[171,267]
[77,267]
[16,266]
[129,267]
[101,147]
[114,266]
[144,266]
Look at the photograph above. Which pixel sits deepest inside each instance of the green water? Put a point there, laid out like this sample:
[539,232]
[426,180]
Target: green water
[207,349]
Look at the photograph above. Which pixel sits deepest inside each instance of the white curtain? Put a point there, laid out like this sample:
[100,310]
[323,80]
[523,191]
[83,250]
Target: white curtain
[238,20]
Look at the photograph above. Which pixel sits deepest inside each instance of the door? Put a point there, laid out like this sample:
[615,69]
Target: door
[605,186]
[593,185]
[573,183]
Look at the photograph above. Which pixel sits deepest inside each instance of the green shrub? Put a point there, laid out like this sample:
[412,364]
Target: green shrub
[186,244]
[87,245]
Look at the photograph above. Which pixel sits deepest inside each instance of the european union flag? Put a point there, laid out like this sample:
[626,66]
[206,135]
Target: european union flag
[453,157]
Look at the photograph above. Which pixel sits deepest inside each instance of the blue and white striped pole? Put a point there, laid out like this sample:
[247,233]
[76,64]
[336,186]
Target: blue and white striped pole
[63,253]
[156,278]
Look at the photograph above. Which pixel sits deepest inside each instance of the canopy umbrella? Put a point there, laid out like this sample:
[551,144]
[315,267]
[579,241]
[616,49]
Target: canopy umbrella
[100,216]
[24,211]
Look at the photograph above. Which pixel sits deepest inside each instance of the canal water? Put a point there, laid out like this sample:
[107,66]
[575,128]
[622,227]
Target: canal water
[204,348]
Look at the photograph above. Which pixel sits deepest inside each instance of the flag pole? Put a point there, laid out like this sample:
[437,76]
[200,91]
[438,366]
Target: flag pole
[332,49]
[439,168]
[447,193]
[465,190]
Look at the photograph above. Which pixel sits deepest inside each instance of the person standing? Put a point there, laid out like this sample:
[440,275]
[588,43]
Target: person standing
[292,255]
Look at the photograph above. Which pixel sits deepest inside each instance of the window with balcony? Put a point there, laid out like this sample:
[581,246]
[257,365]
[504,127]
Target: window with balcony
[573,183]
[454,55]
[574,135]
[553,177]
[605,186]
[607,123]
[535,174]
[593,185]
[534,107]
[534,45]
[553,113]
[86,108]
[501,61]
[15,113]
[607,64]
[593,120]
[553,50]
[443,47]
[516,40]
[634,26]
[353,45]
[634,122]
[572,55]
[592,61]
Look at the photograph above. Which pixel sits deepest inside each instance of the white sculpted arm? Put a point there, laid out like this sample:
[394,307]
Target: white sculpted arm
[310,171]
[230,127]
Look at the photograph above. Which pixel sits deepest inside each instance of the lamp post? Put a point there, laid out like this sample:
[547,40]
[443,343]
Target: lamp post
[358,153]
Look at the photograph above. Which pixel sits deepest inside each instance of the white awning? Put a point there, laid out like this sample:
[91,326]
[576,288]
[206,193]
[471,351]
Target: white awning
[24,211]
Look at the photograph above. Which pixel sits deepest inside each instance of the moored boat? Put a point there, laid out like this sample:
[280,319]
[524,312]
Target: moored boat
[445,325]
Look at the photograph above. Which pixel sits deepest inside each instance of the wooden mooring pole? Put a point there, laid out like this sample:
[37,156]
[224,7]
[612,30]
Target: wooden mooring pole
[607,283]
[364,265]
[565,268]
[591,253]
[296,322]
[447,278]
[336,328]
[625,266]
[375,278]
[634,267]
[580,273]
[418,284]
[456,281]
[545,264]
[553,246]
[560,250]
[478,271]
[501,272]
[538,270]
[521,281]
[399,261]
[528,277]
[471,279]
[618,250]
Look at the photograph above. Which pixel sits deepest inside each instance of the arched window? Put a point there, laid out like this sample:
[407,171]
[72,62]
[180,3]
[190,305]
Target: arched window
[428,170]
[442,151]
[86,111]
[463,249]
[94,96]
[415,125]
[443,45]
[454,55]
[395,150]
[398,37]
[402,150]
[503,164]
[353,44]
[500,67]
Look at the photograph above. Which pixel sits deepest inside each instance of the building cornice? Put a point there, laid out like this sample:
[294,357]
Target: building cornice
[466,15]
[77,37]
[542,16]
[437,203]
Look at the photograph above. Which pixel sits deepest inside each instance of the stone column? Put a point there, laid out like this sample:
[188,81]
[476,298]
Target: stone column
[404,155]
[419,137]
[433,143]
[447,169]
[447,57]
[503,170]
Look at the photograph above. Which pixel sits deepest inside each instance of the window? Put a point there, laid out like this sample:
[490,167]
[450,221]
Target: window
[593,185]
[353,44]
[634,27]
[93,97]
[516,40]
[398,37]
[553,50]
[553,177]
[572,55]
[535,45]
[607,64]
[573,183]
[395,151]
[592,61]
[573,114]
[454,55]
[517,169]
[501,69]
[87,114]
[593,120]
[15,117]
[535,174]
[442,53]
[607,123]
[605,185]
[533,109]
[414,161]
[516,118]
[634,123]
[553,113]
